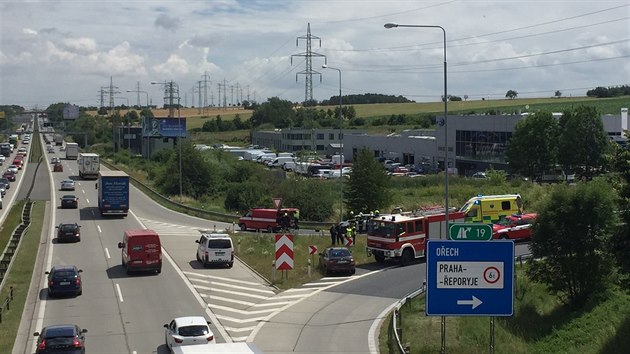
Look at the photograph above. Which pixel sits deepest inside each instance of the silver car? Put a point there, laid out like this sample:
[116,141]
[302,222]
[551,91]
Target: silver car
[190,330]
[67,185]
[13,168]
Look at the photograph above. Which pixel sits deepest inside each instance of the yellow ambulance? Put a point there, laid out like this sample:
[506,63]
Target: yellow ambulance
[489,209]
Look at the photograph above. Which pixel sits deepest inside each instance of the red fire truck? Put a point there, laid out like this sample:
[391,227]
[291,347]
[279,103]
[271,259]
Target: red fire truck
[403,236]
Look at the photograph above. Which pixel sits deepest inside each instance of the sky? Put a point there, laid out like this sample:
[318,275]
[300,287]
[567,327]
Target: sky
[68,50]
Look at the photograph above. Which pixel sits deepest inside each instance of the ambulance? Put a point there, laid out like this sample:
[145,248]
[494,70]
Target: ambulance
[489,209]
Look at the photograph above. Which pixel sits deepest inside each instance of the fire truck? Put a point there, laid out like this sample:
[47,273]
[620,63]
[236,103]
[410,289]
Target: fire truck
[403,236]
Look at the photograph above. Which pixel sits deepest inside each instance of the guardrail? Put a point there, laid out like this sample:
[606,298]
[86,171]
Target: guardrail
[202,213]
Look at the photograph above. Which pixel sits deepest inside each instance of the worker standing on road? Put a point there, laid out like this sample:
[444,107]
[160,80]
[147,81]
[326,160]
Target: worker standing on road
[333,234]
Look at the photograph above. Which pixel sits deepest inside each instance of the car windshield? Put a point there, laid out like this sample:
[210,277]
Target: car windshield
[68,227]
[60,274]
[59,332]
[339,253]
[380,228]
[219,244]
[504,222]
[193,331]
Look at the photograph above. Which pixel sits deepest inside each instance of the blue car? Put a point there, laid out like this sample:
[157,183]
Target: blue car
[64,280]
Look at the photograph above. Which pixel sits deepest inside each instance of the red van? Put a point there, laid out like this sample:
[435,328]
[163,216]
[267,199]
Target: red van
[265,219]
[141,251]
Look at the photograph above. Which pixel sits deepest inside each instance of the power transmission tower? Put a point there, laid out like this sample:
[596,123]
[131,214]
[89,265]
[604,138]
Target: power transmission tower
[205,90]
[231,95]
[138,92]
[309,54]
[219,86]
[112,91]
[199,91]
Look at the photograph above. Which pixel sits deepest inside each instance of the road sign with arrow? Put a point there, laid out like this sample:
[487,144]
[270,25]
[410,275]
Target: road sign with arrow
[470,278]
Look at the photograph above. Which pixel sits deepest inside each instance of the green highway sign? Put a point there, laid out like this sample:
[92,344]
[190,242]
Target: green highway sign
[470,232]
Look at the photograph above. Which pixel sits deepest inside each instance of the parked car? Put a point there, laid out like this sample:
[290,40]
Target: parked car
[9,175]
[58,167]
[66,338]
[479,175]
[514,227]
[69,201]
[67,185]
[337,259]
[64,280]
[190,330]
[69,232]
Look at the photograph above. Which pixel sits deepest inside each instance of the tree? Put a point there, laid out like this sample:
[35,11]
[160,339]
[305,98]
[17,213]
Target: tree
[367,189]
[583,141]
[511,94]
[558,94]
[532,148]
[620,244]
[569,240]
[275,111]
[199,176]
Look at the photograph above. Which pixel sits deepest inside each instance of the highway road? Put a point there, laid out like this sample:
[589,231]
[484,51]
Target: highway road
[125,314]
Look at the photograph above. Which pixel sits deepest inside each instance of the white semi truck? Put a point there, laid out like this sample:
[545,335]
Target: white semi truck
[89,165]
[72,151]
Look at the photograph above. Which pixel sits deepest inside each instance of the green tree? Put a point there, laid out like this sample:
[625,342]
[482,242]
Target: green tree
[583,141]
[198,174]
[570,238]
[511,94]
[275,111]
[367,188]
[532,148]
[620,244]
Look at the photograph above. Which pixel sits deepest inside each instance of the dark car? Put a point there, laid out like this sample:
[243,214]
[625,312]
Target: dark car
[9,175]
[5,182]
[68,339]
[58,167]
[69,232]
[64,280]
[337,259]
[69,201]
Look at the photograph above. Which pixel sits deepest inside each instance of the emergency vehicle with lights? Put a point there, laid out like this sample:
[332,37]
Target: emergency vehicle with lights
[404,236]
[489,209]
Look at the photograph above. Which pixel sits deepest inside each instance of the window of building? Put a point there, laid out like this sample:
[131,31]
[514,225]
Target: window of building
[331,136]
[320,148]
[320,136]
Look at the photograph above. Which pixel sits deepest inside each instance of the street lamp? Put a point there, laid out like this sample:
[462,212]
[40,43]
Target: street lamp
[172,88]
[118,130]
[445,98]
[341,159]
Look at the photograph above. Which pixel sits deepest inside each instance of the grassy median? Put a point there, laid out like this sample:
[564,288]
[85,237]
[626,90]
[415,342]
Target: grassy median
[21,272]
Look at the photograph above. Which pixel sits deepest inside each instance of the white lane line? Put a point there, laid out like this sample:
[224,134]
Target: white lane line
[238,320]
[107,253]
[239,339]
[87,200]
[98,227]
[225,299]
[222,278]
[119,293]
[244,329]
[215,290]
[242,312]
[372,335]
[234,287]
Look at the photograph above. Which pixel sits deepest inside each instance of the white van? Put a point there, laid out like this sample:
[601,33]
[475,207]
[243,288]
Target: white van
[265,158]
[215,249]
[280,161]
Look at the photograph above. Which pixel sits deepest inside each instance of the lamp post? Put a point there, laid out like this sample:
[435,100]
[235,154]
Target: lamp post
[172,88]
[119,130]
[445,98]
[444,122]
[341,159]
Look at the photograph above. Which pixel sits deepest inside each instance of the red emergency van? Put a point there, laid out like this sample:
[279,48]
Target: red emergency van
[266,219]
[141,251]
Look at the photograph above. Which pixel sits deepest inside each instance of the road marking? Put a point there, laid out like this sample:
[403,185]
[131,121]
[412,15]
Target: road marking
[215,290]
[107,253]
[98,227]
[242,312]
[87,200]
[221,278]
[243,329]
[372,335]
[225,299]
[238,320]
[119,293]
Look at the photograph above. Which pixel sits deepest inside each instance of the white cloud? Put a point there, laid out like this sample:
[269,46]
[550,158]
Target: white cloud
[80,45]
[174,65]
[29,32]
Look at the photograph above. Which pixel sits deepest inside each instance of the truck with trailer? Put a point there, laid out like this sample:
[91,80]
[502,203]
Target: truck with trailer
[72,151]
[403,236]
[113,193]
[89,165]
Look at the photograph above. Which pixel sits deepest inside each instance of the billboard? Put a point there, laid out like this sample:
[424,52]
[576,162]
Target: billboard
[163,127]
[70,112]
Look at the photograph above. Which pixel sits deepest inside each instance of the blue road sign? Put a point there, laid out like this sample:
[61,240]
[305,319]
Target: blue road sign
[470,278]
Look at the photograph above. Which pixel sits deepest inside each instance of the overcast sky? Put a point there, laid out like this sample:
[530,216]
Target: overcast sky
[66,50]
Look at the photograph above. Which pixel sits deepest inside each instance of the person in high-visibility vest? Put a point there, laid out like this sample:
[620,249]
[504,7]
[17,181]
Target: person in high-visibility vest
[350,233]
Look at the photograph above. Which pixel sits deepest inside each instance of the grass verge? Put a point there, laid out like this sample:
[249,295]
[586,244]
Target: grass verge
[541,324]
[20,276]
[258,251]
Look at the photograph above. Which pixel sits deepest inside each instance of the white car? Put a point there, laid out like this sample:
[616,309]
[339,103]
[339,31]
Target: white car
[2,158]
[190,330]
[13,168]
[67,185]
